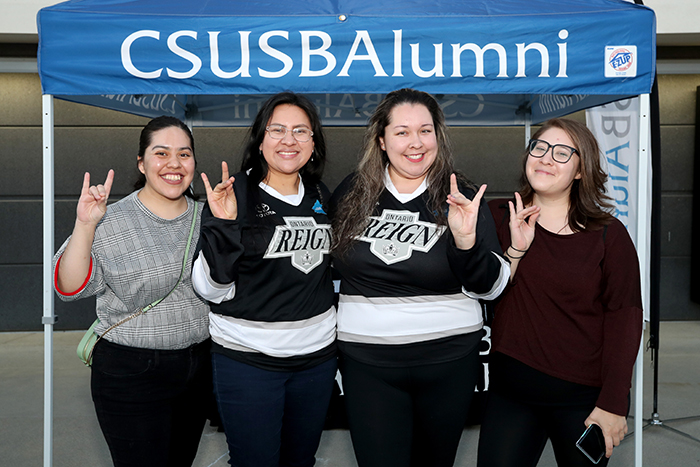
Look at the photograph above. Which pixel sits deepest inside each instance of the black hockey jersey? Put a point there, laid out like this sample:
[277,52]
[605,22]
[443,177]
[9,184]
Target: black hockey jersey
[405,283]
[267,278]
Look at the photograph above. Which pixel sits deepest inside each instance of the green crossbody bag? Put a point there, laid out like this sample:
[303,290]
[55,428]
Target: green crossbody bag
[90,339]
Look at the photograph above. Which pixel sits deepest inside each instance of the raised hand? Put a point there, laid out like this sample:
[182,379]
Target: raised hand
[75,262]
[522,231]
[92,203]
[463,214]
[222,199]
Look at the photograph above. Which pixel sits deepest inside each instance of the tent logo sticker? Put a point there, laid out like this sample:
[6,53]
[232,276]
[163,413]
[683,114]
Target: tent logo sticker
[621,61]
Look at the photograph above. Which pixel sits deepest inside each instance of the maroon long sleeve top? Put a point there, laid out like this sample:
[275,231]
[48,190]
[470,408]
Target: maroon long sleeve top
[573,310]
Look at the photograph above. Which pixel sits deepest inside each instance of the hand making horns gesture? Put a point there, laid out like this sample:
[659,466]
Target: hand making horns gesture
[463,214]
[92,203]
[522,231]
[222,199]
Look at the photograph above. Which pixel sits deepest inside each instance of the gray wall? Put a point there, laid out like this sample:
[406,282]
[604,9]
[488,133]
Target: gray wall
[677,96]
[95,140]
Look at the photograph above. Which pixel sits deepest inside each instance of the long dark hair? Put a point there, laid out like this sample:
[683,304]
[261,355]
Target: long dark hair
[253,159]
[146,138]
[358,204]
[589,206]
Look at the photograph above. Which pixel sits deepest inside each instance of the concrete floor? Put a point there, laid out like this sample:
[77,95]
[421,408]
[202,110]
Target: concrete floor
[78,440]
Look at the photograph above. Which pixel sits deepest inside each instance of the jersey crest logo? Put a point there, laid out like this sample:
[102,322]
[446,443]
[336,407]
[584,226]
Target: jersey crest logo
[390,250]
[302,240]
[395,235]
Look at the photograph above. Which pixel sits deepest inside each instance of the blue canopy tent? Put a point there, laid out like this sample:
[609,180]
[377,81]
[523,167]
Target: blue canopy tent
[511,62]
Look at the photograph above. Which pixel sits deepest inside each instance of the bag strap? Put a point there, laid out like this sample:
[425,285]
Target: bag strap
[144,309]
[184,263]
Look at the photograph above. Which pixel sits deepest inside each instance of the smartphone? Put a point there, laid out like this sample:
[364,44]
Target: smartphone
[592,443]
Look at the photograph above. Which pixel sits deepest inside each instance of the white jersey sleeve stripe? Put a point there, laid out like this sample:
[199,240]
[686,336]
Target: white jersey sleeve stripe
[498,286]
[205,285]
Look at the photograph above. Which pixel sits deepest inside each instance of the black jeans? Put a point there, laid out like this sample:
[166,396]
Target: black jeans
[151,404]
[272,418]
[408,416]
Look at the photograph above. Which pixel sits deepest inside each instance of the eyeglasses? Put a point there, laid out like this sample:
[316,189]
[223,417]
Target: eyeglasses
[302,135]
[560,152]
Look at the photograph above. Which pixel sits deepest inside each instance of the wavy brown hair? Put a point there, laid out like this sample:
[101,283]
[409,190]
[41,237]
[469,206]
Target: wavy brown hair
[356,207]
[589,205]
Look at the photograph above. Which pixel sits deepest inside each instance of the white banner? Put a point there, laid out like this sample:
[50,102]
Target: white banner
[616,126]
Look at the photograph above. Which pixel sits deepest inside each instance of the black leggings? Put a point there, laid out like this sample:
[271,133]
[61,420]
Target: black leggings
[527,407]
[409,416]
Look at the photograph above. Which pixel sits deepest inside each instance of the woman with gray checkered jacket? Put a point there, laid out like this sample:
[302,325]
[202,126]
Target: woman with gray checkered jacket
[151,375]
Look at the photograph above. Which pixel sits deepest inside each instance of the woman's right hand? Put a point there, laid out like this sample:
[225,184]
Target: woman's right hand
[74,266]
[92,203]
[522,231]
[222,198]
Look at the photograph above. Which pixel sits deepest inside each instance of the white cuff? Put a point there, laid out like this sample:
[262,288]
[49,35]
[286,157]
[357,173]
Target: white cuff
[498,286]
[205,286]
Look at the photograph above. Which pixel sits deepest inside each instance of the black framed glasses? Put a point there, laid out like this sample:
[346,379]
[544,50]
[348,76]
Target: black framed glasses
[301,134]
[560,152]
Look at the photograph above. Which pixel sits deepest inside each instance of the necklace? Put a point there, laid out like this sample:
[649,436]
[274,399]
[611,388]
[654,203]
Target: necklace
[560,230]
[566,224]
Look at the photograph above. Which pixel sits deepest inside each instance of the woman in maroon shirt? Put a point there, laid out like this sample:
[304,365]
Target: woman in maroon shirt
[568,326]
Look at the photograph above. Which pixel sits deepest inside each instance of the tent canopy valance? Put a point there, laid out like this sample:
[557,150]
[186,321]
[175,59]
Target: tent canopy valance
[209,61]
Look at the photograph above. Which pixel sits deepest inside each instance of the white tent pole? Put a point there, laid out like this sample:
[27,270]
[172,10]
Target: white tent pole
[638,402]
[644,196]
[528,130]
[643,246]
[48,318]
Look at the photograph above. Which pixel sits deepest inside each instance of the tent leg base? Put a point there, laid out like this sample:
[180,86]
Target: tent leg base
[656,421]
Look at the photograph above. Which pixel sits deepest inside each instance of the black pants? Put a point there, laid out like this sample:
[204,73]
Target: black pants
[408,416]
[527,407]
[151,404]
